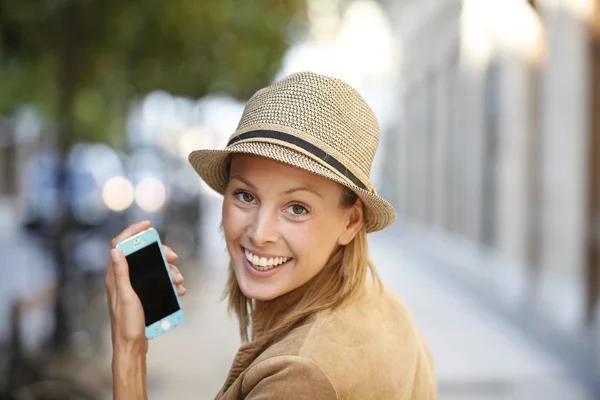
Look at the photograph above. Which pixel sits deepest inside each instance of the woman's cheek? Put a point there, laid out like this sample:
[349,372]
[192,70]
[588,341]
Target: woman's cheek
[233,220]
[318,238]
[303,235]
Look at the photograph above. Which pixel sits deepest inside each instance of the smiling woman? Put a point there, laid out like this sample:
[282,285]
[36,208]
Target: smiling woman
[297,207]
[270,212]
[273,212]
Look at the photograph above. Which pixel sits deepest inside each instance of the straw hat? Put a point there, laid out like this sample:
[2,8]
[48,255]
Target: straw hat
[313,122]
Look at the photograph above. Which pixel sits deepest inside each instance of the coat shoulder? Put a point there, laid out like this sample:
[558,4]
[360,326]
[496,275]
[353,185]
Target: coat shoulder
[288,377]
[370,348]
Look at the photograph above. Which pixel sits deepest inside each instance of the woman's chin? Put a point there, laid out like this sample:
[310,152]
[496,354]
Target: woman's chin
[258,291]
[262,298]
[260,294]
[256,288]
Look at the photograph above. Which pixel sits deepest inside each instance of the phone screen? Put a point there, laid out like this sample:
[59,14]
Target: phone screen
[150,280]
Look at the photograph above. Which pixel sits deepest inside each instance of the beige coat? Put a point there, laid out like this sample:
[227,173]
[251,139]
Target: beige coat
[370,349]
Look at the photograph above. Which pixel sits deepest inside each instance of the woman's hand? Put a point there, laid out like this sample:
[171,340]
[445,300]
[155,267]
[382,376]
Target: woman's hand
[127,318]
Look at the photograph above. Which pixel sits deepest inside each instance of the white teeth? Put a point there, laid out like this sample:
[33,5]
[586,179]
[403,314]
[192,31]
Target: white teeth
[263,263]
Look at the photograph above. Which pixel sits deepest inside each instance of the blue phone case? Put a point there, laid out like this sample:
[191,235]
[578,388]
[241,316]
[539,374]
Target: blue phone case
[138,242]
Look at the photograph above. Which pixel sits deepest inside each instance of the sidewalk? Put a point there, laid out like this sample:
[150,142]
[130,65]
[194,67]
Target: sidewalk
[477,354]
[192,361]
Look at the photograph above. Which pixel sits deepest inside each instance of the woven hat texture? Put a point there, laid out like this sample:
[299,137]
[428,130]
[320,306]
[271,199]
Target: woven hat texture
[310,121]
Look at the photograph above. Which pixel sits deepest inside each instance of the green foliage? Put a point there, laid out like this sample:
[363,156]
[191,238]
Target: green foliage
[82,61]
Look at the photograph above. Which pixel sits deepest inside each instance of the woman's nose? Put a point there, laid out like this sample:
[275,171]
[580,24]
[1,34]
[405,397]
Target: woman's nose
[263,228]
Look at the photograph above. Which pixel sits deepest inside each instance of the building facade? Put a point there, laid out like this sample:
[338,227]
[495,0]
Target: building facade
[497,148]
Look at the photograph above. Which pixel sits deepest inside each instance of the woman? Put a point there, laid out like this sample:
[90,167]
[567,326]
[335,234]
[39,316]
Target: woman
[297,207]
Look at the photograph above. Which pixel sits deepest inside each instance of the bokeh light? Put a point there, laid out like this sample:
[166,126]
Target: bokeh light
[117,193]
[150,194]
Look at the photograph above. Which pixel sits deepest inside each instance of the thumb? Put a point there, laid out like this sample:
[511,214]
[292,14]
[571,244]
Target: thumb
[120,271]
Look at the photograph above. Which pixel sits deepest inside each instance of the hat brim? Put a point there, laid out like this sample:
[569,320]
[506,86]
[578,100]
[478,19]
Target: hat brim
[212,168]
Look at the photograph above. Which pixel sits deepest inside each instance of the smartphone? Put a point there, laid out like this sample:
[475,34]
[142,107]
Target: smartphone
[151,280]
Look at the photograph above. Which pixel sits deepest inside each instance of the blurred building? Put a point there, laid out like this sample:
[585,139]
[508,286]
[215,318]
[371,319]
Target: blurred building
[497,148]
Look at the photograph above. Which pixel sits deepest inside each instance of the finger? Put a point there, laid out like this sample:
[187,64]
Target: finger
[130,231]
[181,291]
[109,280]
[176,275]
[111,288]
[171,256]
[121,274]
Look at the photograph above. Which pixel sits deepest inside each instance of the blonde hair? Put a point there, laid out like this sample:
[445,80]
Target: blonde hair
[345,275]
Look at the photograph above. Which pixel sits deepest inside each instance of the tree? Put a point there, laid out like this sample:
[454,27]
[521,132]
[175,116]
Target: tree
[81,62]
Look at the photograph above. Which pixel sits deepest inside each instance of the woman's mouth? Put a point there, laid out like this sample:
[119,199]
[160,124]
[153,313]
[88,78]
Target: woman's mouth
[264,263]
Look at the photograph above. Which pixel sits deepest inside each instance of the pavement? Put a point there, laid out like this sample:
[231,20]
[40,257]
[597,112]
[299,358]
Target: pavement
[478,354]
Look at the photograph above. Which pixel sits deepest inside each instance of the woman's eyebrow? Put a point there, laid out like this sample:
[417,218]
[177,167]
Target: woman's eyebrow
[244,180]
[300,188]
[287,192]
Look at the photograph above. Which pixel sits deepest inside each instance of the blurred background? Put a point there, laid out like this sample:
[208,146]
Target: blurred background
[489,150]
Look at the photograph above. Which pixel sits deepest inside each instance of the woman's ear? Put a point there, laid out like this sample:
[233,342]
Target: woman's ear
[354,222]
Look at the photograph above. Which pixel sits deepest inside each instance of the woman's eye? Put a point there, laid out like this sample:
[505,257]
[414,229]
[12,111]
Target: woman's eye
[297,210]
[244,197]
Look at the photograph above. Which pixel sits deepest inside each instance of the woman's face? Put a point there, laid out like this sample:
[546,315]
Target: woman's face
[282,224]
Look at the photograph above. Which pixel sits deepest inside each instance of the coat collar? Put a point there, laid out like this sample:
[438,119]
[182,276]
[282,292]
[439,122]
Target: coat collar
[267,314]
[264,317]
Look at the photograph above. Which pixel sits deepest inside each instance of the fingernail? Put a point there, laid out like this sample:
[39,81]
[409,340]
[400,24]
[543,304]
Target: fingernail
[143,222]
[114,255]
